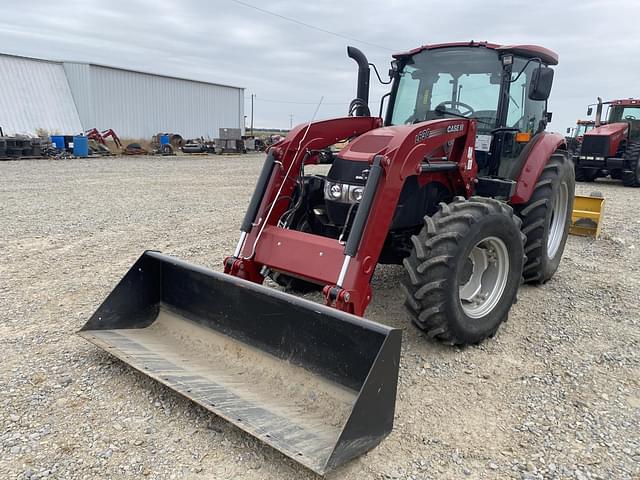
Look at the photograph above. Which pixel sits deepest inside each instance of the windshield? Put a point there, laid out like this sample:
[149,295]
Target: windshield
[460,80]
[582,128]
[620,114]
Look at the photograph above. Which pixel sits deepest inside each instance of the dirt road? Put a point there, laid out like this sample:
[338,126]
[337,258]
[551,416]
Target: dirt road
[556,394]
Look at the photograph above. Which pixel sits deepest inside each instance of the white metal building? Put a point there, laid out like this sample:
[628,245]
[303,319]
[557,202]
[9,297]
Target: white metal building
[35,96]
[68,97]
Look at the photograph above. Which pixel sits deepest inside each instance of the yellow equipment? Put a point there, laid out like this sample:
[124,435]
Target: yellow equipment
[586,218]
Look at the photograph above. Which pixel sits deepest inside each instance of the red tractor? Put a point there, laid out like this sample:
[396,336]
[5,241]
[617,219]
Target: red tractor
[576,134]
[444,183]
[612,147]
[458,181]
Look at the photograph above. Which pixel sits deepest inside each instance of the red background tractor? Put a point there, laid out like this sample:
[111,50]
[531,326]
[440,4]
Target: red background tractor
[612,147]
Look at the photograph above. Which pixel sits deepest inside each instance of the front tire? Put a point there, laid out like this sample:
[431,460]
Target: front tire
[546,218]
[464,270]
[631,176]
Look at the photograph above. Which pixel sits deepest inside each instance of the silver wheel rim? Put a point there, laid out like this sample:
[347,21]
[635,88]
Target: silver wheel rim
[489,262]
[558,219]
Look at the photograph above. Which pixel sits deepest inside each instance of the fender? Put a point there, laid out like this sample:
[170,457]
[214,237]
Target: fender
[540,150]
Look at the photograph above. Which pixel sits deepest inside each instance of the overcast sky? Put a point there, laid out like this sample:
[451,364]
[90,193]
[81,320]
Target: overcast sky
[280,61]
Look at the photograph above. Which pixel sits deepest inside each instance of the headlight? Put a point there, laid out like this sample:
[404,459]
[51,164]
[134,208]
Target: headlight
[355,193]
[335,191]
[343,192]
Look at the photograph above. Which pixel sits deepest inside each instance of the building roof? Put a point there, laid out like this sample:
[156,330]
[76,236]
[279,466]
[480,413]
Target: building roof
[101,65]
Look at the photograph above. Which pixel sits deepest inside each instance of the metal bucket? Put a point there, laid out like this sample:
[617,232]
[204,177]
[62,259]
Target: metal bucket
[587,215]
[315,383]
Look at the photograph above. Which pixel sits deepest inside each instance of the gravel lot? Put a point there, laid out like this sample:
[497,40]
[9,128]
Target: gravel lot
[556,394]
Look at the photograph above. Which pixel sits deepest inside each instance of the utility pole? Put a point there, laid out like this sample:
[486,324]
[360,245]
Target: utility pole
[252,95]
[290,121]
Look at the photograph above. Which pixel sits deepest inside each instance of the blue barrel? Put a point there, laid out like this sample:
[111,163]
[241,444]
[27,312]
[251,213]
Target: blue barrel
[164,139]
[58,141]
[80,146]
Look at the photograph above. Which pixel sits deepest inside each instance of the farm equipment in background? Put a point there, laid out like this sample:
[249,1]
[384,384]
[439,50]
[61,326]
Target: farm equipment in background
[459,182]
[199,145]
[612,147]
[98,141]
[230,141]
[574,140]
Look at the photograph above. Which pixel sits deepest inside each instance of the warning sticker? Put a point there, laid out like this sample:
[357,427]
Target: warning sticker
[483,143]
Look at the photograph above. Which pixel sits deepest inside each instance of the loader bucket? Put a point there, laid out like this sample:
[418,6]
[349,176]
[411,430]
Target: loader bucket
[315,383]
[586,218]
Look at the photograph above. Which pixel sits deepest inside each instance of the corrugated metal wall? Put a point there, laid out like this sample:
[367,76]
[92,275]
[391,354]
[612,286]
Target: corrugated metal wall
[139,105]
[79,80]
[35,96]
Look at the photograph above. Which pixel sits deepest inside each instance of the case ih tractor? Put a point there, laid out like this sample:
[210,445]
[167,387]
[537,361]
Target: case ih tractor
[458,181]
[576,134]
[612,147]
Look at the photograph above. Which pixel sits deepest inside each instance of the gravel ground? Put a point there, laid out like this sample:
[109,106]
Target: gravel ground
[554,395]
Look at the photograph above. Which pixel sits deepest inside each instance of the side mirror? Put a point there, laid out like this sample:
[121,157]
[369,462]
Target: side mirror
[540,85]
[549,116]
[589,111]
[568,129]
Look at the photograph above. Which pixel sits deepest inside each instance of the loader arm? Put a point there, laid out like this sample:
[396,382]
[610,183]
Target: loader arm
[395,153]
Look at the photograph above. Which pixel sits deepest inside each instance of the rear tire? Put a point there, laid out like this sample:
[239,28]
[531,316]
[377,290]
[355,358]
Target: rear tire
[631,177]
[546,218]
[464,270]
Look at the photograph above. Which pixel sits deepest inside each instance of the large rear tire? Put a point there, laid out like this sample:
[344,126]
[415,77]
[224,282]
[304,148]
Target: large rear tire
[464,270]
[631,176]
[546,218]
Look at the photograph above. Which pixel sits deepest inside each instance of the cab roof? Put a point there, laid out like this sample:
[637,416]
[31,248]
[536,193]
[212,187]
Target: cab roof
[625,102]
[547,56]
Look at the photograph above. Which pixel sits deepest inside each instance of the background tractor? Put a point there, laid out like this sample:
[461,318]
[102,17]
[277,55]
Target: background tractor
[612,147]
[458,181]
[575,135]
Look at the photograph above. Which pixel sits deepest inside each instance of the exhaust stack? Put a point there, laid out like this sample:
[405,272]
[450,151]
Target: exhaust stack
[363,77]
[599,113]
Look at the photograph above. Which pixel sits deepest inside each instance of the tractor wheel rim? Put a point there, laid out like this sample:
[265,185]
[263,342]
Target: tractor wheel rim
[482,291]
[558,221]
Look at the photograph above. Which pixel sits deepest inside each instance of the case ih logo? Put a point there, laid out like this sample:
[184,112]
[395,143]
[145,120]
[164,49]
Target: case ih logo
[458,127]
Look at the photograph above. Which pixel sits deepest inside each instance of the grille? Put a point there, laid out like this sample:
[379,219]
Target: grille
[595,145]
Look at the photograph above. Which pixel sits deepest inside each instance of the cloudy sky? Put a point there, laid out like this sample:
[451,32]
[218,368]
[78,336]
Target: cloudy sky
[289,66]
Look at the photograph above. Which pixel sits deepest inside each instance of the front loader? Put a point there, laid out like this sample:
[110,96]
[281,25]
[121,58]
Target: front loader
[458,181]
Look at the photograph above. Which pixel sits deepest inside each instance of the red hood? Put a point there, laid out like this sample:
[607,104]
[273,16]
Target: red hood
[608,129]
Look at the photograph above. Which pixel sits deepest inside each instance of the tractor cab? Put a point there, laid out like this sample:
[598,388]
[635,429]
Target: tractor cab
[582,127]
[627,111]
[504,88]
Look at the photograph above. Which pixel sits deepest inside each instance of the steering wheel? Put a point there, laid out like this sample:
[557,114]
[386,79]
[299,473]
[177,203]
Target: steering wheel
[468,109]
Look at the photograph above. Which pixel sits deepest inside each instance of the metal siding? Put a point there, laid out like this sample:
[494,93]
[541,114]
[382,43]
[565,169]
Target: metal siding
[139,105]
[36,96]
[80,83]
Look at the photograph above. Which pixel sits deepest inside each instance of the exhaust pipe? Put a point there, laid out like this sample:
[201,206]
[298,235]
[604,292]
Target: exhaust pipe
[363,78]
[599,113]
